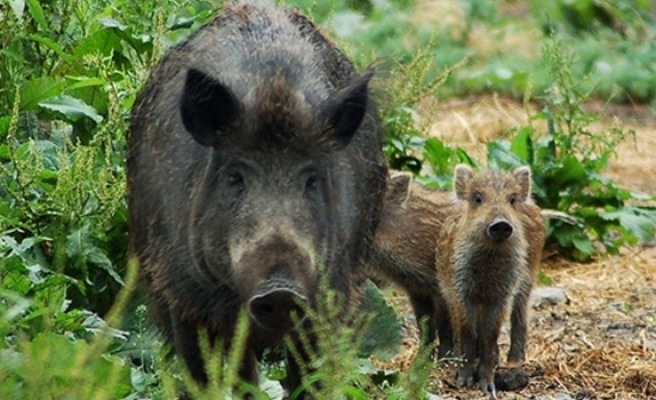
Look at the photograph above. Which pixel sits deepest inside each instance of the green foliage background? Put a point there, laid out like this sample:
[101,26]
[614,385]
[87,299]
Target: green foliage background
[69,72]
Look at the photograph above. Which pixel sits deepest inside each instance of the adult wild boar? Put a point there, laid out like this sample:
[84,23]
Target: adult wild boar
[254,162]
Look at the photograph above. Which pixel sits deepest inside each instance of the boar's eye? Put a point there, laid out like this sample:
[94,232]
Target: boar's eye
[513,200]
[477,198]
[312,182]
[235,178]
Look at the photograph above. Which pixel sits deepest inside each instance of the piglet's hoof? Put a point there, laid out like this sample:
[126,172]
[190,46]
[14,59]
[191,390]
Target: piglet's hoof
[510,379]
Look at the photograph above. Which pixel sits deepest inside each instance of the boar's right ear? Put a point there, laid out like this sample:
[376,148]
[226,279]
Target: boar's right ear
[207,107]
[461,176]
[344,112]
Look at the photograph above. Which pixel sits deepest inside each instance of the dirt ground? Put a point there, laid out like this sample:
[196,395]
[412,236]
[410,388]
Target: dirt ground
[602,344]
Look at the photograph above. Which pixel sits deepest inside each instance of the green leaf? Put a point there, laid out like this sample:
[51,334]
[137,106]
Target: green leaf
[522,145]
[500,156]
[37,90]
[18,7]
[640,223]
[378,375]
[37,13]
[81,247]
[382,338]
[438,155]
[51,44]
[81,82]
[73,109]
[103,41]
[77,241]
[4,125]
[5,155]
[463,157]
[97,257]
[583,244]
[109,22]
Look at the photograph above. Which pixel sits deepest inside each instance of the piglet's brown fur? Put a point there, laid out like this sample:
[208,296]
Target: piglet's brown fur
[487,252]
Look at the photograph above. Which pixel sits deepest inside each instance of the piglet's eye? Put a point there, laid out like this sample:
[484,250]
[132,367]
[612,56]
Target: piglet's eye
[513,200]
[478,198]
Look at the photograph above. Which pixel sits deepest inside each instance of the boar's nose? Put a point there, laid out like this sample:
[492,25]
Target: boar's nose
[499,229]
[273,309]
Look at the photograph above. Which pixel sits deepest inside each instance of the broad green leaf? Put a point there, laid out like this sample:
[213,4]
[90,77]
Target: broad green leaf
[500,156]
[103,41]
[37,90]
[46,150]
[78,241]
[438,155]
[97,257]
[583,244]
[73,109]
[81,247]
[382,338]
[522,145]
[640,223]
[571,171]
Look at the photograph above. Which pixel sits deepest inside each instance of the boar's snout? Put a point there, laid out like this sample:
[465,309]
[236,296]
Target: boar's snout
[500,229]
[273,307]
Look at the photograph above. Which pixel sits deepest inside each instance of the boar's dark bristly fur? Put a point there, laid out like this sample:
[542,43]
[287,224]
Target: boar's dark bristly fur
[254,161]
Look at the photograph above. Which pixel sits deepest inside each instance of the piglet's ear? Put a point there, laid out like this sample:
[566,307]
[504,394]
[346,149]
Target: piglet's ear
[398,189]
[523,176]
[207,107]
[344,111]
[461,177]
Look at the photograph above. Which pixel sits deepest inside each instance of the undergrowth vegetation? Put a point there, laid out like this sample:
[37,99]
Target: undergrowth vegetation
[69,72]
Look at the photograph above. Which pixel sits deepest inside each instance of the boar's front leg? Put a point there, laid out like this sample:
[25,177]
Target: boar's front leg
[185,340]
[187,346]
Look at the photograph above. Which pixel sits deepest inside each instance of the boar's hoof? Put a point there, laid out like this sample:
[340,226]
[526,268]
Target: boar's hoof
[500,230]
[273,310]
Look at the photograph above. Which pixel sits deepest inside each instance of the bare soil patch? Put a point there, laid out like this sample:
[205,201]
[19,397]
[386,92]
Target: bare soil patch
[602,344]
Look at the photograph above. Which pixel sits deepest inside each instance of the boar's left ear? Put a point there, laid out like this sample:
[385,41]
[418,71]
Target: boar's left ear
[344,111]
[523,176]
[207,107]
